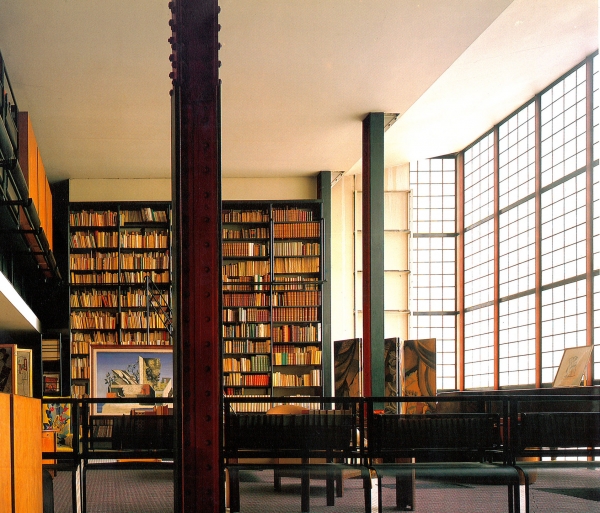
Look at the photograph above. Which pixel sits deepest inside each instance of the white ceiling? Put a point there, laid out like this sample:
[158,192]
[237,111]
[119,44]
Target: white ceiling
[298,77]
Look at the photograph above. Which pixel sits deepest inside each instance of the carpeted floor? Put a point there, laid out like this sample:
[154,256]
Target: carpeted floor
[151,491]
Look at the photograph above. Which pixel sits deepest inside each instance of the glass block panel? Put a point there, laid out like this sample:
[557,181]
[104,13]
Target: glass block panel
[433,276]
[516,160]
[443,329]
[564,230]
[433,186]
[517,341]
[563,324]
[563,120]
[479,348]
[479,180]
[479,264]
[517,249]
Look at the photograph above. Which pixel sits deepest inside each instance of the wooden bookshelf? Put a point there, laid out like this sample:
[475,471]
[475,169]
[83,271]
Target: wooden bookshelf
[114,249]
[272,302]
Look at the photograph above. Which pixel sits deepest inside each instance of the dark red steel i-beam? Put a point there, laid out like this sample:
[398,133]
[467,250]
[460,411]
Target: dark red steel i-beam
[196,178]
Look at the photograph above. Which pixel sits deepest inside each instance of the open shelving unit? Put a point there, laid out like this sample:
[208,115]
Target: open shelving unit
[120,280]
[272,299]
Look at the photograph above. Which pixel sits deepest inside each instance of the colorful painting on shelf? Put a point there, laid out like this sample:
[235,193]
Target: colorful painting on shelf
[57,417]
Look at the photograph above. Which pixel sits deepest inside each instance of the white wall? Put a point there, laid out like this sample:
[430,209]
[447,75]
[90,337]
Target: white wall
[342,259]
[120,189]
[293,188]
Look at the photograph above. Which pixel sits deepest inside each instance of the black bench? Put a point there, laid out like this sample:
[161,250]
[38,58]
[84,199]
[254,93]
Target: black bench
[314,444]
[544,440]
[455,447]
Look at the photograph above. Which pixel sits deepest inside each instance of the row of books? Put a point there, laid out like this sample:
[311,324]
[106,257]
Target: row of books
[297,298]
[81,341]
[93,320]
[90,320]
[292,214]
[80,368]
[247,330]
[247,407]
[80,347]
[112,261]
[312,354]
[257,363]
[79,391]
[93,218]
[245,300]
[50,349]
[245,233]
[94,299]
[309,379]
[245,315]
[95,239]
[249,268]
[297,231]
[246,346]
[296,248]
[139,320]
[109,217]
[244,216]
[145,240]
[290,265]
[297,314]
[244,249]
[143,215]
[115,278]
[294,333]
[97,337]
[234,379]
[245,283]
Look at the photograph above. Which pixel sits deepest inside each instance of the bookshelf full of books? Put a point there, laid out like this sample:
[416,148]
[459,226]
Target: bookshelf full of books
[119,270]
[272,280]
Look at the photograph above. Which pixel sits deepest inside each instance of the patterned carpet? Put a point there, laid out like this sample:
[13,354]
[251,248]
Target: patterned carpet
[151,491]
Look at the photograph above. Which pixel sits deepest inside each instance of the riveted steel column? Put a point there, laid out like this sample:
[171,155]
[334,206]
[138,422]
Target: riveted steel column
[372,221]
[197,260]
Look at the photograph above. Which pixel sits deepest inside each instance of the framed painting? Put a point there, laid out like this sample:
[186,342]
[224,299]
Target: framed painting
[572,366]
[140,371]
[8,368]
[24,374]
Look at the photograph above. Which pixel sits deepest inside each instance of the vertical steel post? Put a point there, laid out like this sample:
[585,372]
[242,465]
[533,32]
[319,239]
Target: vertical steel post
[324,194]
[373,275]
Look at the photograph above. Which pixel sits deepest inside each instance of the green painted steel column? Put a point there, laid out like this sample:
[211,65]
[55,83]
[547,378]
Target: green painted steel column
[324,193]
[372,247]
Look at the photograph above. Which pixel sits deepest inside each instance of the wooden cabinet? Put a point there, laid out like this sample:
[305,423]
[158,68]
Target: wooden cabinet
[20,454]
